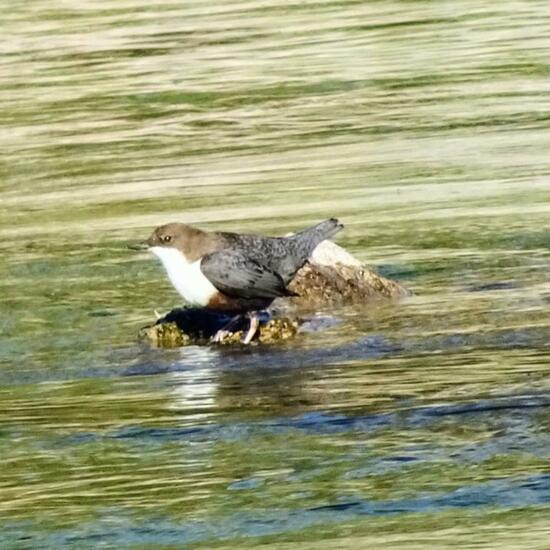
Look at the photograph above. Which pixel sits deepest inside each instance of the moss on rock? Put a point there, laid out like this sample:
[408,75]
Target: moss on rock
[165,335]
[186,326]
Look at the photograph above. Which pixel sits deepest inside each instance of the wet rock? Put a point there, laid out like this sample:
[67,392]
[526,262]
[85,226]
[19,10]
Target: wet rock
[278,330]
[185,326]
[331,277]
[165,335]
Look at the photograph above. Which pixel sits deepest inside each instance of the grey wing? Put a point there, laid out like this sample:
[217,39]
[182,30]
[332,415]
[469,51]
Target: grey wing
[237,275]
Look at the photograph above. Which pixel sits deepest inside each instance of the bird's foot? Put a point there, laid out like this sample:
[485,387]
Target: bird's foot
[227,330]
[221,335]
[254,318]
[252,329]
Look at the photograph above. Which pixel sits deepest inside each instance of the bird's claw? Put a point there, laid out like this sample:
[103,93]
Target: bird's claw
[221,335]
[225,332]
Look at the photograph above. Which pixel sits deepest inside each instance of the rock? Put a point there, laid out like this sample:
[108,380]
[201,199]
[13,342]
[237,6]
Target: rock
[323,285]
[331,277]
[277,330]
[165,335]
[186,326]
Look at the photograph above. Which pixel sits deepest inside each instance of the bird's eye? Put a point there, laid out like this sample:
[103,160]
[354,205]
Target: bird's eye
[166,238]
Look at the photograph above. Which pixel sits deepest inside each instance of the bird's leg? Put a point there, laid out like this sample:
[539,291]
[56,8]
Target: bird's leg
[254,326]
[227,329]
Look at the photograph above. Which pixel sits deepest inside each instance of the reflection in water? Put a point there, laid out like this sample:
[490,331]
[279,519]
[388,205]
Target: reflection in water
[423,126]
[195,389]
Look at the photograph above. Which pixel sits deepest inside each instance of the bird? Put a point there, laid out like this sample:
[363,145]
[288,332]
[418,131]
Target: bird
[234,272]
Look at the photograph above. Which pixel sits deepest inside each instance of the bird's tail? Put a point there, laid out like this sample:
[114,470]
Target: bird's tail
[309,238]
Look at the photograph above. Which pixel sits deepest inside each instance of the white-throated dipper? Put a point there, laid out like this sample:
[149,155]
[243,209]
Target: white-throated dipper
[238,273]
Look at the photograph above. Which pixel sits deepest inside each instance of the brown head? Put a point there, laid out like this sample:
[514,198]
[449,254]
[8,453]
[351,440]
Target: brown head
[192,242]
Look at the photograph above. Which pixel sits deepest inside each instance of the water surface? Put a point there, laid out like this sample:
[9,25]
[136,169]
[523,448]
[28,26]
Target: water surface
[424,126]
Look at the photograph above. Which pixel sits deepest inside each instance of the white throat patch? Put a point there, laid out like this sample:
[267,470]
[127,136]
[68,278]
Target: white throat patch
[186,276]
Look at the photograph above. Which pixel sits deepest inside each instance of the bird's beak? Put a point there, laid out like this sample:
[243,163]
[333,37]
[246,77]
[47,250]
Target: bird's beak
[142,245]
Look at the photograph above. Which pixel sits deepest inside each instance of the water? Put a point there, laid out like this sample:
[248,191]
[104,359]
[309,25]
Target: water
[424,126]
